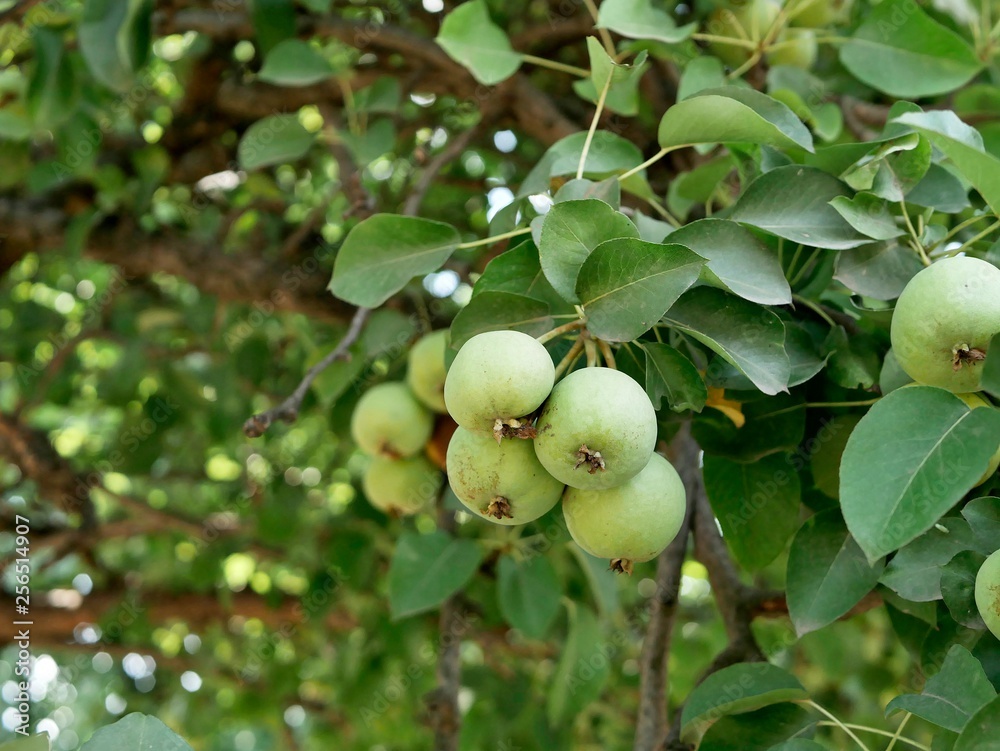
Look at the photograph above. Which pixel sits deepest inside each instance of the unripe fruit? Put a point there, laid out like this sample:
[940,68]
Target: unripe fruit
[944,320]
[597,430]
[631,523]
[425,371]
[744,20]
[497,378]
[502,483]
[389,421]
[988,593]
[401,486]
[798,49]
[818,13]
[974,401]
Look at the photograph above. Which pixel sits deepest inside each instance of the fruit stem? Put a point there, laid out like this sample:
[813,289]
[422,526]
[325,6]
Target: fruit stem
[652,160]
[609,46]
[914,237]
[560,330]
[865,403]
[955,230]
[972,240]
[607,354]
[493,239]
[822,710]
[593,126]
[591,349]
[662,210]
[725,40]
[555,65]
[816,309]
[899,732]
[573,353]
[877,731]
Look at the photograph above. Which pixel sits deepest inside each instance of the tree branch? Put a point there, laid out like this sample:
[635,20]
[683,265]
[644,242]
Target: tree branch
[651,720]
[288,410]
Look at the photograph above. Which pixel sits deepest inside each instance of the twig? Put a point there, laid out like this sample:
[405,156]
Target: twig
[651,721]
[442,702]
[288,410]
[450,152]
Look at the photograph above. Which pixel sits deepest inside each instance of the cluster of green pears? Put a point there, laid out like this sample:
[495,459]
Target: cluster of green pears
[525,442]
[941,328]
[393,423]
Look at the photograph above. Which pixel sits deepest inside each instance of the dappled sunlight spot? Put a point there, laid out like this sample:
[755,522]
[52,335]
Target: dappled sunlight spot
[541,202]
[442,283]
[168,641]
[192,643]
[115,704]
[630,667]
[422,100]
[473,164]
[85,289]
[87,633]
[237,570]
[245,740]
[292,583]
[505,141]
[69,441]
[293,476]
[157,498]
[295,716]
[190,681]
[185,551]
[223,469]
[311,477]
[260,582]
[433,6]
[49,726]
[244,51]
[310,118]
[116,482]
[646,587]
[498,198]
[64,303]
[462,295]
[102,662]
[83,584]
[69,599]
[69,740]
[340,496]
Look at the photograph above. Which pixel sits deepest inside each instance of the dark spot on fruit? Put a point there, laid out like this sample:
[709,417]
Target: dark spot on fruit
[499,508]
[964,355]
[621,566]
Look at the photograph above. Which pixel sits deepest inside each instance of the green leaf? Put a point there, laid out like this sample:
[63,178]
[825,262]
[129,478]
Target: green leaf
[704,72]
[915,571]
[627,284]
[958,588]
[744,334]
[670,374]
[294,63]
[902,51]
[983,515]
[623,94]
[382,97]
[827,572]
[426,569]
[384,252]
[824,461]
[798,744]
[493,311]
[609,191]
[583,667]
[980,732]
[893,490]
[32,743]
[570,232]
[603,582]
[869,215]
[879,270]
[963,145]
[941,190]
[114,38]
[517,270]
[470,38]
[276,139]
[638,19]
[528,594]
[990,378]
[732,115]
[773,425]
[273,22]
[793,202]
[757,505]
[739,688]
[609,153]
[52,91]
[759,730]
[952,695]
[737,261]
[136,732]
